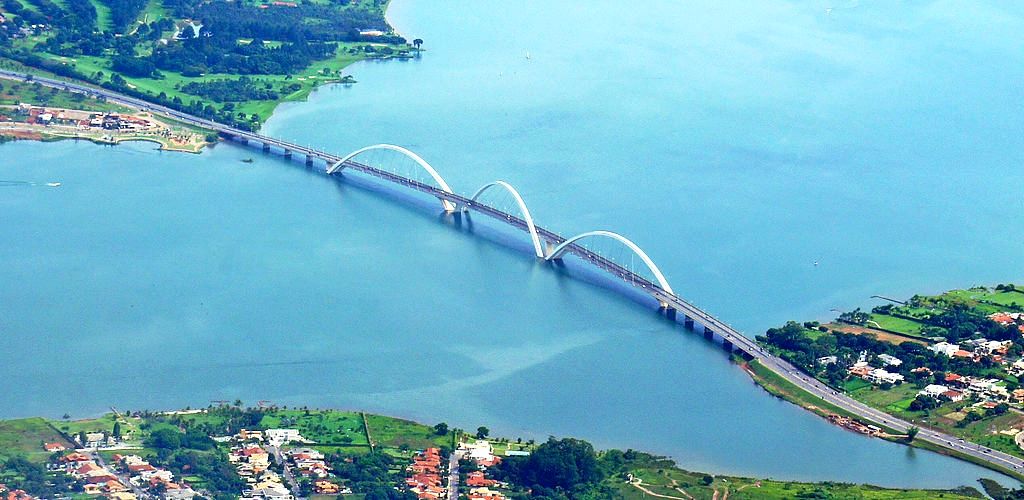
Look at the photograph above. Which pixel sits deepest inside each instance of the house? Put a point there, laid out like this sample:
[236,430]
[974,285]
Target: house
[277,437]
[953,378]
[933,390]
[860,371]
[880,376]
[245,435]
[323,487]
[890,360]
[827,360]
[944,348]
[477,479]
[954,396]
[52,447]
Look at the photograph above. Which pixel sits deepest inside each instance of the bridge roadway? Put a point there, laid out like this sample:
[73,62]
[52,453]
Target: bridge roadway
[733,339]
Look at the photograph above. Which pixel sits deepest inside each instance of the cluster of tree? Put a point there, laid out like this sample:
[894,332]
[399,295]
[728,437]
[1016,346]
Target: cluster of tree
[123,13]
[794,343]
[239,89]
[19,473]
[558,468]
[167,439]
[223,54]
[371,475]
[955,321]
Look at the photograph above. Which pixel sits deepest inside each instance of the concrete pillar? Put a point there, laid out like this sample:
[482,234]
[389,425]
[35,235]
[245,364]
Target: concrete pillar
[266,148]
[288,153]
[670,313]
[709,334]
[727,346]
[688,322]
[309,160]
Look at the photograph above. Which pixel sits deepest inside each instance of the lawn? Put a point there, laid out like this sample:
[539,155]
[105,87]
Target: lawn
[395,432]
[27,436]
[901,325]
[129,426]
[325,427]
[103,22]
[12,92]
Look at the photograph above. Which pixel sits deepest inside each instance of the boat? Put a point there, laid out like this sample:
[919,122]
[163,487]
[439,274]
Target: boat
[53,184]
[247,160]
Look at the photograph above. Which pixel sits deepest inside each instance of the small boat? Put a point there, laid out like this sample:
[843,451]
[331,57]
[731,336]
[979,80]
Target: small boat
[53,184]
[247,160]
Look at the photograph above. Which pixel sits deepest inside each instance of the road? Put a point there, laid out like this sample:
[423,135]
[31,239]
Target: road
[742,343]
[453,475]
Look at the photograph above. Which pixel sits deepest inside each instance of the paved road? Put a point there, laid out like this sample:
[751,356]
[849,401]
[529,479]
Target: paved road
[453,475]
[723,330]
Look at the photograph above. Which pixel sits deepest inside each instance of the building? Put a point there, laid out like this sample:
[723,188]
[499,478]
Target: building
[944,348]
[933,390]
[880,376]
[890,360]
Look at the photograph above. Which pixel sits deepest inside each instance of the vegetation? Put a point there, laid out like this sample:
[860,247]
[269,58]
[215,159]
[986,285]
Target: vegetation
[196,56]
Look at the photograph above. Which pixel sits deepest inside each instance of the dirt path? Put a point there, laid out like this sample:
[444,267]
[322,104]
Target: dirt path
[638,484]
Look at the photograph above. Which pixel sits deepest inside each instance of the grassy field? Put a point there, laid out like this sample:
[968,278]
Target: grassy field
[171,82]
[325,427]
[26,436]
[395,433]
[680,484]
[129,426]
[103,22]
[901,325]
[13,92]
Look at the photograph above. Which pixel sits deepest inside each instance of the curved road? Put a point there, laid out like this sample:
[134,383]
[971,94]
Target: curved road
[744,344]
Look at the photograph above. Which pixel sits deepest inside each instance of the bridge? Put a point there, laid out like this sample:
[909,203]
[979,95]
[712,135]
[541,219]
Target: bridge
[550,246]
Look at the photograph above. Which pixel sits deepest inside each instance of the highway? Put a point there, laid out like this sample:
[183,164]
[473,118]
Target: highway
[739,342]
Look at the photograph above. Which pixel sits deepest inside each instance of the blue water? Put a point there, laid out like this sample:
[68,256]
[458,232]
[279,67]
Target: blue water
[736,144]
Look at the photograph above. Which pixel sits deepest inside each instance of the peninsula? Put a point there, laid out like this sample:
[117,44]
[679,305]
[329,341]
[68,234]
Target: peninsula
[231,62]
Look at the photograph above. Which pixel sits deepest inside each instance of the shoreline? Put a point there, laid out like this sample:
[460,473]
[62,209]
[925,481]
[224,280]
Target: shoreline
[392,435]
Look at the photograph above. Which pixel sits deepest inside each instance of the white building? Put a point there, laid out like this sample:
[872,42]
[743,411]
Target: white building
[890,360]
[277,437]
[880,376]
[945,348]
[934,390]
[827,360]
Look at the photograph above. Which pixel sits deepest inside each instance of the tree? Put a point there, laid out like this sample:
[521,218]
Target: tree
[441,429]
[482,432]
[81,438]
[558,463]
[707,480]
[912,432]
[417,42]
[117,430]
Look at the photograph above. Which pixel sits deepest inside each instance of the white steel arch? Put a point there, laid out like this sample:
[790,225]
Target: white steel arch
[340,164]
[560,249]
[534,235]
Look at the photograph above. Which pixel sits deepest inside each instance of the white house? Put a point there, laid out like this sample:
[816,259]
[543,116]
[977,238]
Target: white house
[945,348]
[277,437]
[880,376]
[934,390]
[890,360]
[827,360]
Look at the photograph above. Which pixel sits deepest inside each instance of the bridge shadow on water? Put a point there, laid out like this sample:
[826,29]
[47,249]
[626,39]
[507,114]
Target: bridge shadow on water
[483,233]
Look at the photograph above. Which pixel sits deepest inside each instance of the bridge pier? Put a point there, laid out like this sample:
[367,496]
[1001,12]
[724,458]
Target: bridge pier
[309,160]
[288,154]
[727,346]
[709,333]
[266,148]
[688,322]
[670,313]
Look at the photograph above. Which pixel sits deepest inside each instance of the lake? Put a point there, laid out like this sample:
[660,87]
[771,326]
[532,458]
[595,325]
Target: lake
[738,145]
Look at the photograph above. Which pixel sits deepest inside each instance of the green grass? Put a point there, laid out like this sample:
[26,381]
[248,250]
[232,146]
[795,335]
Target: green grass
[18,92]
[901,325]
[395,432]
[103,19]
[154,10]
[27,436]
[325,427]
[664,480]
